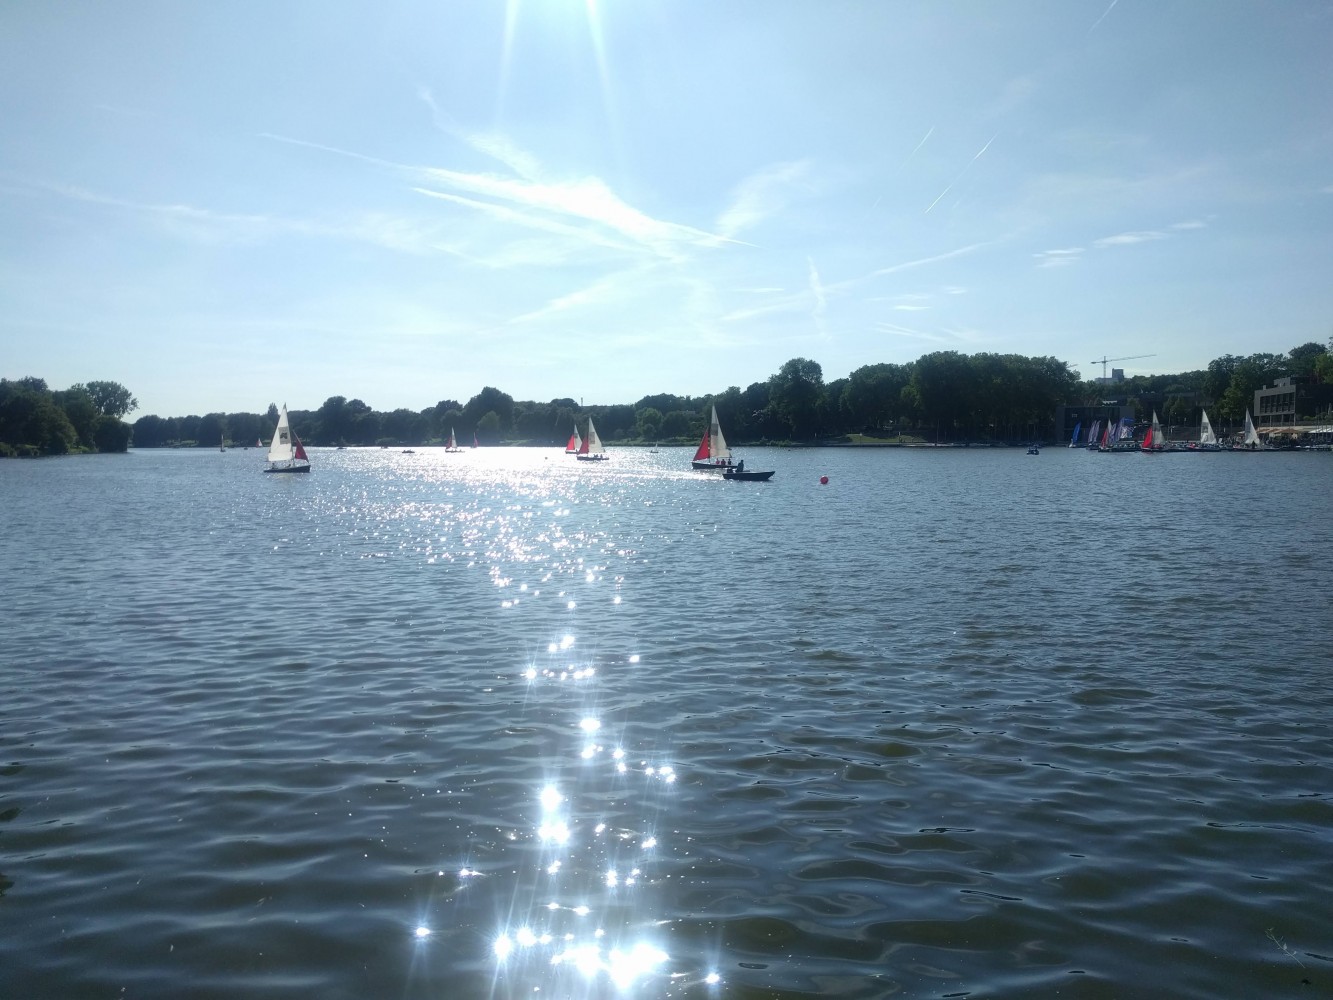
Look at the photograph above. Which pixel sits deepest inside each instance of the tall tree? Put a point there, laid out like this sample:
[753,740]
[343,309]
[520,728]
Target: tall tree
[111,398]
[795,393]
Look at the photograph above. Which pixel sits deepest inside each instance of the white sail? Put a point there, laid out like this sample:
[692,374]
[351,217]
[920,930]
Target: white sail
[1251,435]
[717,444]
[1206,435]
[281,449]
[594,441]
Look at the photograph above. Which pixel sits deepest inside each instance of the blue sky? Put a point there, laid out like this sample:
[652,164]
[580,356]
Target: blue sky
[222,205]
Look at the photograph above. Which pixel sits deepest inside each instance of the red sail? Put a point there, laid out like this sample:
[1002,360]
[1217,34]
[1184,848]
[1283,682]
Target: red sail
[583,448]
[300,451]
[703,452]
[1147,440]
[571,446]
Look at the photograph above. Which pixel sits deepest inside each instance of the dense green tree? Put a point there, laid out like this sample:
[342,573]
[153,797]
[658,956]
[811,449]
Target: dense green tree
[1323,368]
[873,397]
[1304,358]
[212,430]
[404,427]
[31,419]
[794,395]
[111,398]
[649,423]
[152,431]
[488,428]
[112,435]
[1247,377]
[82,412]
[940,389]
[490,400]
[678,424]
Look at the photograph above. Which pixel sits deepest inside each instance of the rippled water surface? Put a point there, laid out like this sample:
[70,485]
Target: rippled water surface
[498,724]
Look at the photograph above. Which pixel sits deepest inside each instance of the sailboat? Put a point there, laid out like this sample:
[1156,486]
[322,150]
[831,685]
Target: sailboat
[713,453]
[1207,439]
[452,443]
[1073,441]
[222,442]
[286,454]
[591,448]
[1154,443]
[1251,442]
[1094,435]
[575,442]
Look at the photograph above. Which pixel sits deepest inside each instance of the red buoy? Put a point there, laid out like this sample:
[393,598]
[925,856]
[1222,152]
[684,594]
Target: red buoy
[823,480]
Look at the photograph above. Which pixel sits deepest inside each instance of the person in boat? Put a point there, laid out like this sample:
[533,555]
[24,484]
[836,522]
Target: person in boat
[740,466]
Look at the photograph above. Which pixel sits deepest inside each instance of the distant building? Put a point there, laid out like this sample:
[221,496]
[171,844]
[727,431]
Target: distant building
[1291,400]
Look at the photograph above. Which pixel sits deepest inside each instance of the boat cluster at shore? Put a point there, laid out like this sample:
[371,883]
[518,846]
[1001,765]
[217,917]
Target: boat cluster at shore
[1118,438]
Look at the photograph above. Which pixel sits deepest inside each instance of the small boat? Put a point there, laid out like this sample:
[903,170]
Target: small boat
[408,451]
[1207,439]
[591,450]
[1154,443]
[712,454]
[738,473]
[452,443]
[574,443]
[1036,449]
[286,454]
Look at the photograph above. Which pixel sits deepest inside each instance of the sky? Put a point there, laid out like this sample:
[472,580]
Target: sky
[224,205]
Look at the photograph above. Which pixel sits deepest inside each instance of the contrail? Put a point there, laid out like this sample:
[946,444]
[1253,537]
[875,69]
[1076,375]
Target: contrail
[923,141]
[960,173]
[1102,18]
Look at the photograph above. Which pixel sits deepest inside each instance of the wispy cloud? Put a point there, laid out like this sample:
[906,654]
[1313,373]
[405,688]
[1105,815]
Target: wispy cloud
[821,303]
[923,261]
[199,223]
[1059,258]
[906,331]
[760,196]
[587,202]
[594,294]
[1129,239]
[498,147]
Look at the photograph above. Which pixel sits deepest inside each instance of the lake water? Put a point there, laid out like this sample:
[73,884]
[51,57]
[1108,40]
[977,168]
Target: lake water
[500,724]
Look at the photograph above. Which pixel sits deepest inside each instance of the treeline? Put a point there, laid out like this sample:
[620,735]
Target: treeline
[943,396]
[36,420]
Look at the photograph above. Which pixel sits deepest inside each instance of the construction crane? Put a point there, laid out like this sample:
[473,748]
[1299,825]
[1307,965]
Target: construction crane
[1104,361]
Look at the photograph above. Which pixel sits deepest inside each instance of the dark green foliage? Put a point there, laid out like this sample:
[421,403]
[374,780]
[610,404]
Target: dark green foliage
[945,396]
[36,421]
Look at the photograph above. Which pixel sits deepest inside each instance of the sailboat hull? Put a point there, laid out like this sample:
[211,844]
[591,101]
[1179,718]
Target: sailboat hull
[711,466]
[289,468]
[748,477]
